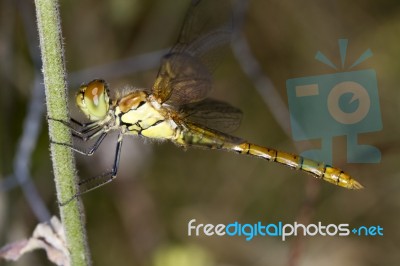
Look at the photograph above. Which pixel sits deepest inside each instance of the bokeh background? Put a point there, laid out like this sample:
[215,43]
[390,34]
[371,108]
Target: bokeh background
[141,218]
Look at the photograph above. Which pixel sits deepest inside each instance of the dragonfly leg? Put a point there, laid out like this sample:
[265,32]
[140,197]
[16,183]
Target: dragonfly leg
[85,128]
[113,173]
[83,125]
[72,120]
[91,149]
[88,135]
[92,183]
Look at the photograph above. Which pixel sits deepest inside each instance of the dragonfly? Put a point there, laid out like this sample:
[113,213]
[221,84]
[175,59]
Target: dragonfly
[177,108]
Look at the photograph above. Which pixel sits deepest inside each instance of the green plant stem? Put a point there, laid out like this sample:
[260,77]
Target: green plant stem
[56,98]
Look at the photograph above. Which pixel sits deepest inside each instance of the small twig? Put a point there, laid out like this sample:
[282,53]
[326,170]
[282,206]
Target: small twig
[56,99]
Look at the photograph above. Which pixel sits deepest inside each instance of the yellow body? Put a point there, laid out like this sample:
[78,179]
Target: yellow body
[139,113]
[199,136]
[144,117]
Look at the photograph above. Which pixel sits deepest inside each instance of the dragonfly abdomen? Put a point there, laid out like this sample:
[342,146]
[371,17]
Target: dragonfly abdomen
[317,169]
[195,135]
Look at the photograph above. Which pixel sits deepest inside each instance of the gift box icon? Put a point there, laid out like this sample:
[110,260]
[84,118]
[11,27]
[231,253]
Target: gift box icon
[337,104]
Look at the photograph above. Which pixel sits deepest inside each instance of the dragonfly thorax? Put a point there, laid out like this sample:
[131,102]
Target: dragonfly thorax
[141,114]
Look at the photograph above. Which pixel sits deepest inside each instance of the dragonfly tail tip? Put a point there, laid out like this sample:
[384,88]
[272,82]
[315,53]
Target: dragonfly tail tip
[356,185]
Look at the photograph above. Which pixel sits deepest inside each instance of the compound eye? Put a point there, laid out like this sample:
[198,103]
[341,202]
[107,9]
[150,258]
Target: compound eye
[94,92]
[93,99]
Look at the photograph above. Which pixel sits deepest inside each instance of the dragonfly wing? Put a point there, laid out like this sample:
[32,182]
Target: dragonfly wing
[212,114]
[181,79]
[185,72]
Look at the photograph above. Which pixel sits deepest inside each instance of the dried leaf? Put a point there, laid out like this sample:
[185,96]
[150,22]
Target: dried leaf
[48,236]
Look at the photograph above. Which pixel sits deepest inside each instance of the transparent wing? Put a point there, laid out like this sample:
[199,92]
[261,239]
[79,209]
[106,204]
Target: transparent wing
[185,72]
[212,114]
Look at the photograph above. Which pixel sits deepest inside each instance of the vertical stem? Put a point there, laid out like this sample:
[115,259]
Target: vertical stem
[49,27]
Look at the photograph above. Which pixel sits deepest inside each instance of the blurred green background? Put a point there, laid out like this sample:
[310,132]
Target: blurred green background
[141,218]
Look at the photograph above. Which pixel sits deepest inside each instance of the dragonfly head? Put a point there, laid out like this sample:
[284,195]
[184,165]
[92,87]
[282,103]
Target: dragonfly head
[93,99]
